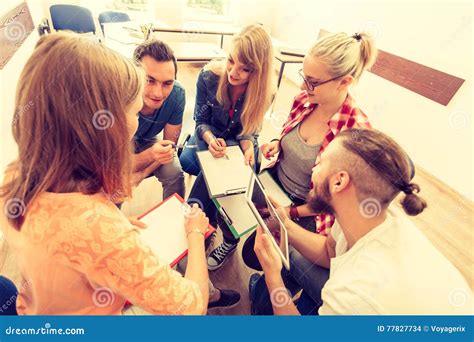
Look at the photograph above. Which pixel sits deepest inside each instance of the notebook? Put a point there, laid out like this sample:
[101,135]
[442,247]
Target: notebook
[165,233]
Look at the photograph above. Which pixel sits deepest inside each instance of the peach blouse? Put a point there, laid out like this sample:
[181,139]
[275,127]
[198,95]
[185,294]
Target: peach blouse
[79,255]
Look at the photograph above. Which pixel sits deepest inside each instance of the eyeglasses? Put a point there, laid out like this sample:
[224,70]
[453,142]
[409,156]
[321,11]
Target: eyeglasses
[311,84]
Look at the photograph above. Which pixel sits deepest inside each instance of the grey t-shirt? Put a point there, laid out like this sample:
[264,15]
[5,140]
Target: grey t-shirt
[295,168]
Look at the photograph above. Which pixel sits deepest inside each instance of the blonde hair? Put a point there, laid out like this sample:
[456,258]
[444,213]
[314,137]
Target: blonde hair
[253,48]
[70,123]
[346,55]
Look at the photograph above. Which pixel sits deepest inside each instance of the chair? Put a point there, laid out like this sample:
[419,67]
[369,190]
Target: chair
[112,17]
[70,17]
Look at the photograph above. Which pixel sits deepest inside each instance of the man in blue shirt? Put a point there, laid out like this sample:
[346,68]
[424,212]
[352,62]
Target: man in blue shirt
[163,107]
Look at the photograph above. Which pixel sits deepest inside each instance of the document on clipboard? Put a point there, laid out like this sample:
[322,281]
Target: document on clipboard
[225,176]
[165,233]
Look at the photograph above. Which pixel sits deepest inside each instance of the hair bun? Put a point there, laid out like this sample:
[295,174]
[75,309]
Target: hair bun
[412,203]
[357,36]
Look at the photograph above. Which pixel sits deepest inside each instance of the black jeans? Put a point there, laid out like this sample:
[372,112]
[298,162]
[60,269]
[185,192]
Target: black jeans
[8,294]
[199,193]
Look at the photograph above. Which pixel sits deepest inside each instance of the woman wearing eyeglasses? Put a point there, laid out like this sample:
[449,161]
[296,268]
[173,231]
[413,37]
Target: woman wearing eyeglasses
[324,109]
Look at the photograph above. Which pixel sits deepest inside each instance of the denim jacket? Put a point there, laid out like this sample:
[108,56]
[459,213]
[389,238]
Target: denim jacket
[210,115]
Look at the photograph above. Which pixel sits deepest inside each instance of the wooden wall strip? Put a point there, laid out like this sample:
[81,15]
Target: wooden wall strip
[428,82]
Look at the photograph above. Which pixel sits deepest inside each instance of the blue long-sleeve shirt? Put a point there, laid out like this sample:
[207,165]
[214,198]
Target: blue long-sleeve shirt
[210,115]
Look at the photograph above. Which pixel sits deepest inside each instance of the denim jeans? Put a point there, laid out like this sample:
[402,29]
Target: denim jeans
[199,193]
[8,294]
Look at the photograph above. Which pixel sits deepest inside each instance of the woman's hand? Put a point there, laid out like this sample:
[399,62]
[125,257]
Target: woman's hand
[269,150]
[196,221]
[217,147]
[136,222]
[249,156]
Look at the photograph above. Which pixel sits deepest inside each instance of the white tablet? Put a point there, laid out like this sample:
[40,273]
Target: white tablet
[273,224]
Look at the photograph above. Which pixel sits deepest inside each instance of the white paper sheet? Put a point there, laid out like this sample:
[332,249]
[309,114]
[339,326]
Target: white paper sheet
[225,177]
[165,233]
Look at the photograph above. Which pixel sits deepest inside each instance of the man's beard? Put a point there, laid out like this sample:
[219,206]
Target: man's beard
[319,198]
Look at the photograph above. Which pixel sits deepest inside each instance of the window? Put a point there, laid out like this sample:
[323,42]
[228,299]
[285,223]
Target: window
[212,7]
[209,10]
[136,9]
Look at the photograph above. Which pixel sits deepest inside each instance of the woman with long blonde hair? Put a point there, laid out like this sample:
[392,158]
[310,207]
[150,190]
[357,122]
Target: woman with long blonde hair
[77,252]
[232,98]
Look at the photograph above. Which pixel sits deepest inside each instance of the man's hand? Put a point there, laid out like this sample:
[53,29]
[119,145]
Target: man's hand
[163,152]
[267,255]
[283,212]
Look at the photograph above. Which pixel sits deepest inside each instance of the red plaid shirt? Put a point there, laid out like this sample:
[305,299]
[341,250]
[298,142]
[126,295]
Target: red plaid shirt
[348,117]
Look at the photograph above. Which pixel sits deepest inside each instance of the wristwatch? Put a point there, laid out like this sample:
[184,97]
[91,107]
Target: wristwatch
[294,212]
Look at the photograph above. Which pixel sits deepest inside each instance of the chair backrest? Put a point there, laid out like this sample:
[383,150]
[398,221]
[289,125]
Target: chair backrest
[112,17]
[70,17]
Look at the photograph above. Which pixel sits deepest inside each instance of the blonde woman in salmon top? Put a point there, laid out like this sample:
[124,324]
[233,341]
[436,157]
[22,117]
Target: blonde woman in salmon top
[77,253]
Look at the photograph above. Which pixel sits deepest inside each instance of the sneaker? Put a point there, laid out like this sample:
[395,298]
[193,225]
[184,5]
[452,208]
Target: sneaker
[219,255]
[229,299]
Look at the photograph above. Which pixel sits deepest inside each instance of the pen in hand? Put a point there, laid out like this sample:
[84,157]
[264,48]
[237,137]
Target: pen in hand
[219,144]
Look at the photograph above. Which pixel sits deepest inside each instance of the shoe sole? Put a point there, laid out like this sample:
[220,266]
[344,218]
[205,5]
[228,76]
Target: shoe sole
[215,268]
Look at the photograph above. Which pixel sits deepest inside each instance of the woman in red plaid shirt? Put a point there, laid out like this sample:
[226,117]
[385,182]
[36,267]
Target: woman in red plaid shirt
[324,109]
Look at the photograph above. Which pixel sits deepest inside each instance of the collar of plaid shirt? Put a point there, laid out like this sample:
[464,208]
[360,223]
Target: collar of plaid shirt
[349,116]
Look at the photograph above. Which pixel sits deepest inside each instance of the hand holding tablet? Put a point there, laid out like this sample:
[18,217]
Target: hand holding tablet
[272,223]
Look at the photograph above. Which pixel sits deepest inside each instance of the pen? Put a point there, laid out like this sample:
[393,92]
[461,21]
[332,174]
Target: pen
[176,146]
[219,144]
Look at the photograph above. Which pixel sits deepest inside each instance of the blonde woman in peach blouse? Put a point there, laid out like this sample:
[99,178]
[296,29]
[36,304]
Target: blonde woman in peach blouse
[77,105]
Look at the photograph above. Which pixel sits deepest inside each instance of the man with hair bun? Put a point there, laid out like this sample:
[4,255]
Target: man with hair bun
[380,263]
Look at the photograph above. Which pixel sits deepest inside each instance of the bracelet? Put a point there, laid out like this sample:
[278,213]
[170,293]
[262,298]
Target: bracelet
[294,215]
[275,140]
[195,230]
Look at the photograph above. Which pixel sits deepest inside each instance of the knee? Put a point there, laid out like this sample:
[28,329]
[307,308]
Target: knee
[171,172]
[187,160]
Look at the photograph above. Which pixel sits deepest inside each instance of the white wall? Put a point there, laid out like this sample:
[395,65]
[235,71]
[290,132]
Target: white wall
[9,78]
[437,34]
